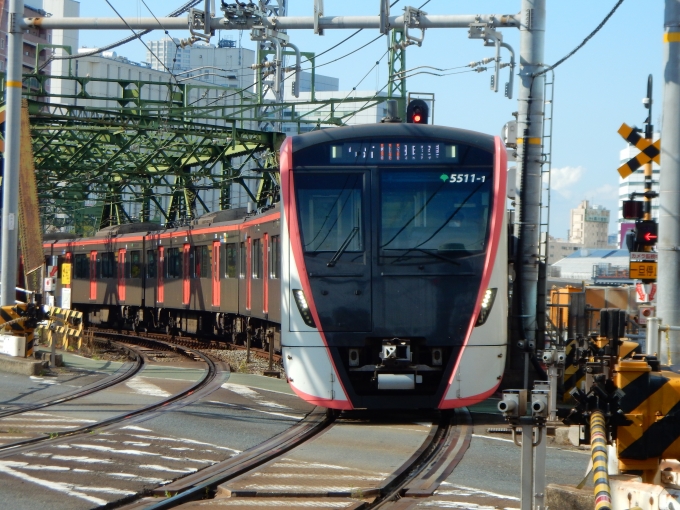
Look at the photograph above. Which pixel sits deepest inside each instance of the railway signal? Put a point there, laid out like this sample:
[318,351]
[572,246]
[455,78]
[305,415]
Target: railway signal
[649,151]
[417,112]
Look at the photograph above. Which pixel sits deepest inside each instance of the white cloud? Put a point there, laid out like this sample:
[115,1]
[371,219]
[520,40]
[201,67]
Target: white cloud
[563,179]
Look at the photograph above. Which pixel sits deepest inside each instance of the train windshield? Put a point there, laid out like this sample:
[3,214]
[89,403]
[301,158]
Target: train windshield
[330,211]
[434,211]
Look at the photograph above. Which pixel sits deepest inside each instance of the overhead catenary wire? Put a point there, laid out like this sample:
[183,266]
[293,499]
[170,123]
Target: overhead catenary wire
[582,44]
[126,40]
[140,38]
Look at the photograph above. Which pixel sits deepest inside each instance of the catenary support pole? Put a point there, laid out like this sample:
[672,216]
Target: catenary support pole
[10,181]
[668,297]
[529,162]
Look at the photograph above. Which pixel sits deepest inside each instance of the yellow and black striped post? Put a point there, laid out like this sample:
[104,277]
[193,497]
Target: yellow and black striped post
[11,319]
[598,451]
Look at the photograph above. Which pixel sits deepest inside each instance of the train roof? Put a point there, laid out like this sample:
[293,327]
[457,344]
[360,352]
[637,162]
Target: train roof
[368,131]
[58,236]
[127,228]
[221,216]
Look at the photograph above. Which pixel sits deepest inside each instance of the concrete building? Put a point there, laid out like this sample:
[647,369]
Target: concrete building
[589,265]
[560,248]
[635,182]
[589,225]
[154,88]
[371,115]
[32,38]
[223,65]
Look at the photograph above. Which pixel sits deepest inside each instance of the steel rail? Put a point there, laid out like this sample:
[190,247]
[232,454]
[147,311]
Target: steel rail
[195,486]
[143,413]
[420,475]
[107,382]
[440,453]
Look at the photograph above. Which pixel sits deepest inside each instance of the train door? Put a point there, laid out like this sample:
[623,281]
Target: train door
[186,282]
[121,274]
[93,275]
[216,274]
[265,274]
[249,275]
[160,297]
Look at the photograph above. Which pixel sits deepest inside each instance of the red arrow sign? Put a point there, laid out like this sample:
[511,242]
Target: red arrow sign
[649,236]
[53,271]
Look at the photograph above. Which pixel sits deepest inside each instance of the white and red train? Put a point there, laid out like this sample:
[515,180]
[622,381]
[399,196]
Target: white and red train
[381,275]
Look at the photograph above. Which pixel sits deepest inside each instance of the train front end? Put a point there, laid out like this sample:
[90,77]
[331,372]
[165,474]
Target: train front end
[394,291]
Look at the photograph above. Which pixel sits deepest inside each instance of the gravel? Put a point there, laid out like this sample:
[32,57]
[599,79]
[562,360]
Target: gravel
[237,361]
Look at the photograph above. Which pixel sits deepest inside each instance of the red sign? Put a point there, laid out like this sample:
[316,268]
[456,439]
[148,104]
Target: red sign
[52,271]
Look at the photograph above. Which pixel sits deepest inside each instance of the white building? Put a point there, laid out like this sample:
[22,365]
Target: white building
[224,65]
[153,86]
[589,225]
[343,107]
[636,182]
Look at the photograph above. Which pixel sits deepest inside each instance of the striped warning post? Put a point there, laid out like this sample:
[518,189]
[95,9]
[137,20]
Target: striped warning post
[574,374]
[598,451]
[13,318]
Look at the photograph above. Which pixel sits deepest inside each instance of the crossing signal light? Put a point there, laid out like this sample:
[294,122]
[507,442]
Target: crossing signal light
[632,209]
[417,112]
[646,232]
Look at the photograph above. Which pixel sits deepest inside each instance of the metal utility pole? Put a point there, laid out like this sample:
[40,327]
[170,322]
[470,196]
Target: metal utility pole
[10,181]
[668,298]
[529,163]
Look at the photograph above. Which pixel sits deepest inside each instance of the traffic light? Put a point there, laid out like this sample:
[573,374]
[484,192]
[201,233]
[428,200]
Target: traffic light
[417,112]
[646,233]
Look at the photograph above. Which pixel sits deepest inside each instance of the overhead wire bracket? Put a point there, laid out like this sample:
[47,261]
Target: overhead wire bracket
[492,37]
[411,21]
[384,16]
[318,12]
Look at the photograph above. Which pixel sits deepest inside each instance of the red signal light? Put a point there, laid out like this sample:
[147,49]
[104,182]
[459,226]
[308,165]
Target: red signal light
[417,118]
[649,236]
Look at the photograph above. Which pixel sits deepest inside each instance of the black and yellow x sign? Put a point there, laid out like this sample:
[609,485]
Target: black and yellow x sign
[649,151]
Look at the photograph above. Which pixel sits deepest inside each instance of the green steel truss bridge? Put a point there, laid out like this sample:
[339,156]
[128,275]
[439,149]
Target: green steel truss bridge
[118,156]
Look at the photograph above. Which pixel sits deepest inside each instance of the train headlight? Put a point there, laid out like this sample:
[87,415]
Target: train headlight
[303,307]
[487,304]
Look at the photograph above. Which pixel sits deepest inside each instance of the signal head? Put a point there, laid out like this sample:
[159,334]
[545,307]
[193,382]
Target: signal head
[417,112]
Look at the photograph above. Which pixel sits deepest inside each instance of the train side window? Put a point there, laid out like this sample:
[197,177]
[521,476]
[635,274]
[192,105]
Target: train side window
[81,271]
[257,258]
[242,261]
[275,257]
[173,263]
[151,264]
[201,262]
[230,270]
[135,264]
[108,264]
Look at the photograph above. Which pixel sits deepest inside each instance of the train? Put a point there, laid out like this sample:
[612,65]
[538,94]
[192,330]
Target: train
[380,275]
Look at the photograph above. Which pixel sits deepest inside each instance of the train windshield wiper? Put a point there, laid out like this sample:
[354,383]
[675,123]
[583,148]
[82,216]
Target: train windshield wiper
[343,247]
[431,253]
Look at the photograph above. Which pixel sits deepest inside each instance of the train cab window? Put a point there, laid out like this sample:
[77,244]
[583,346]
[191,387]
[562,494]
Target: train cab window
[275,257]
[429,211]
[242,261]
[330,211]
[257,258]
[135,263]
[201,262]
[151,263]
[81,270]
[173,263]
[230,263]
[108,264]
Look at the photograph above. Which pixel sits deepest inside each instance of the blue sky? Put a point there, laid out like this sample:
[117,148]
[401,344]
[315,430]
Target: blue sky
[595,91]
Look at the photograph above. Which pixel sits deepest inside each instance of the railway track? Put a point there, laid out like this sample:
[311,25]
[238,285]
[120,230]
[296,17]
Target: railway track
[127,371]
[417,477]
[206,385]
[193,343]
